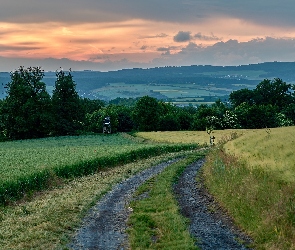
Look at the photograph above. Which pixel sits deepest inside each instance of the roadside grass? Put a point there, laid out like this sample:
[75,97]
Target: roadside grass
[50,218]
[270,149]
[200,137]
[31,165]
[156,222]
[260,197]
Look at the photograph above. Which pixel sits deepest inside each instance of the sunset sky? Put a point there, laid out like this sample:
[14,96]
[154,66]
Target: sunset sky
[113,34]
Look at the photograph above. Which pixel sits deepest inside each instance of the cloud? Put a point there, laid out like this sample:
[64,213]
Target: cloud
[271,12]
[155,36]
[230,52]
[233,52]
[20,47]
[199,36]
[143,47]
[182,36]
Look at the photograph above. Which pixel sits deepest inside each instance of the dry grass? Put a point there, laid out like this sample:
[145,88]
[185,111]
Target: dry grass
[200,137]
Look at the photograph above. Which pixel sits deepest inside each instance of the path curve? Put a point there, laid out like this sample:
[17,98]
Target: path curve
[105,225]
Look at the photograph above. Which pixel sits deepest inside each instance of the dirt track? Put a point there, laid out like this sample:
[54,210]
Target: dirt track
[105,225]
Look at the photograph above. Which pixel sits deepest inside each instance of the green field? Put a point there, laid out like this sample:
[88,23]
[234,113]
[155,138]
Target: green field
[31,164]
[176,93]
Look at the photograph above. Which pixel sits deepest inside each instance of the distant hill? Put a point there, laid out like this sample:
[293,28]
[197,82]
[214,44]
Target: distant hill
[186,84]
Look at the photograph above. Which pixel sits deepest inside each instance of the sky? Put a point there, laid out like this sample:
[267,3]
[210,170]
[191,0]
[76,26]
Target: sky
[108,35]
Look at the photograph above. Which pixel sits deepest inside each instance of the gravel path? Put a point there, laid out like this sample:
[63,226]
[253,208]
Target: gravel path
[104,227]
[212,228]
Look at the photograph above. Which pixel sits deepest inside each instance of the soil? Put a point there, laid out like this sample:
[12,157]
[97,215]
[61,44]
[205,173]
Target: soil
[105,225]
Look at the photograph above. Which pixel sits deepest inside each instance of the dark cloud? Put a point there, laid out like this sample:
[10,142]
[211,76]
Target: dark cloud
[182,36]
[271,12]
[19,47]
[143,47]
[199,36]
[155,36]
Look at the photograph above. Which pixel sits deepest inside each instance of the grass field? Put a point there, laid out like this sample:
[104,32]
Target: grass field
[251,176]
[31,165]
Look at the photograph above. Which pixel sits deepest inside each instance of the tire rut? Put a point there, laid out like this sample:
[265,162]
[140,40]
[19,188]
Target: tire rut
[105,225]
[212,228]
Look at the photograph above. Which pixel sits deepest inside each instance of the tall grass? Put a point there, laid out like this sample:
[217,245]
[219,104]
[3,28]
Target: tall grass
[260,198]
[270,149]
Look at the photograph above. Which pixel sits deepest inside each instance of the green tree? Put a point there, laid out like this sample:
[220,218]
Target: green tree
[147,113]
[27,108]
[274,92]
[67,110]
[242,96]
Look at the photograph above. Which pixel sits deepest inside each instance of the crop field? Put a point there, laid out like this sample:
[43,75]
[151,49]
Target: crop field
[30,164]
[200,137]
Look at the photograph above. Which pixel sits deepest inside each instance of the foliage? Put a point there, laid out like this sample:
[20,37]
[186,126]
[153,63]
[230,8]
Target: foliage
[29,112]
[27,108]
[66,105]
[146,114]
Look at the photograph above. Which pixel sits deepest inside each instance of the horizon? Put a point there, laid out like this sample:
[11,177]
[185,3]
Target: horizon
[144,68]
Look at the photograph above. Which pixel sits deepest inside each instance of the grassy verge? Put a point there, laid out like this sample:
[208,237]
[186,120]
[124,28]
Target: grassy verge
[258,199]
[156,222]
[31,165]
[49,219]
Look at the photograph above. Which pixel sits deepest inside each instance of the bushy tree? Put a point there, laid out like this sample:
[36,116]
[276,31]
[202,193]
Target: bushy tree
[67,110]
[273,92]
[238,97]
[125,121]
[27,108]
[147,113]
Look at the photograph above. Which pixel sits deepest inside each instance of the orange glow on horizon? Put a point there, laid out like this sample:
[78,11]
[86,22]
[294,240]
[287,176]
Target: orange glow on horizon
[136,40]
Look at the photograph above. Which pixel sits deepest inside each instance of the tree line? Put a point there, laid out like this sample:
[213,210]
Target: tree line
[29,111]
